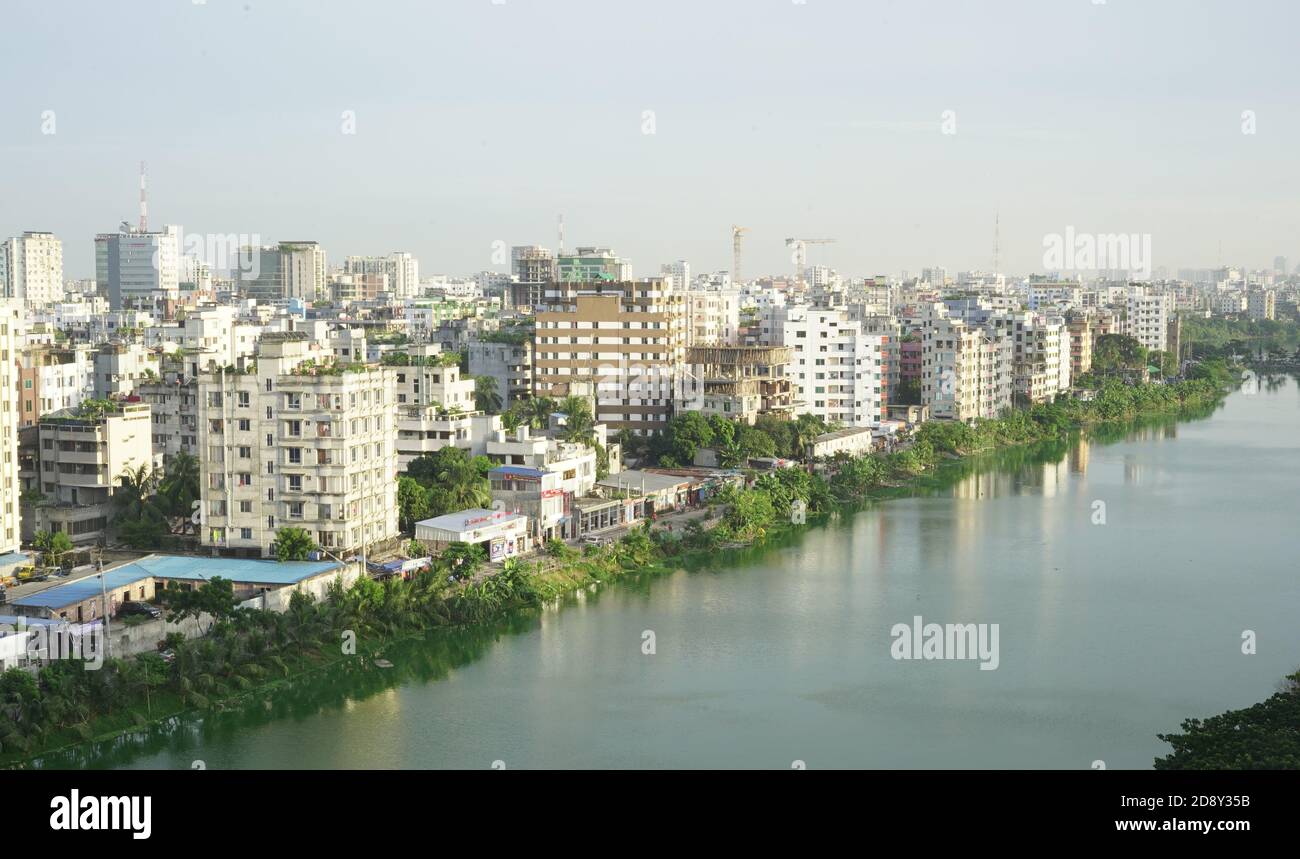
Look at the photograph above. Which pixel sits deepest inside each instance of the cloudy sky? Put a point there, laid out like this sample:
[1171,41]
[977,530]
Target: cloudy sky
[478,122]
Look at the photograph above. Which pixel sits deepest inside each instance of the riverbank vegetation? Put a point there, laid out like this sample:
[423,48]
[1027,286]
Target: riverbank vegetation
[1272,339]
[245,650]
[1265,736]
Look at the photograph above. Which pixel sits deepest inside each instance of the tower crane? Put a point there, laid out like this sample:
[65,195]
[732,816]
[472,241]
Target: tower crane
[737,235]
[800,255]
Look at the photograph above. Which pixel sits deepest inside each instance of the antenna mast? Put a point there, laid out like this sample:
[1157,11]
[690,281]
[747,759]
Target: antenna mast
[144,202]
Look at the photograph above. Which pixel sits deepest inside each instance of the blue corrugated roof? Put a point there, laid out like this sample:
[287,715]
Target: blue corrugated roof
[234,569]
[180,567]
[517,470]
[83,589]
[11,558]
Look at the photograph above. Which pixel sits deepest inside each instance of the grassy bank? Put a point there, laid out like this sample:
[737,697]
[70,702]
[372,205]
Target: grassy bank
[249,653]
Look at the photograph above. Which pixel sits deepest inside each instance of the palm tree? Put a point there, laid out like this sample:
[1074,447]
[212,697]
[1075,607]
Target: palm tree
[135,497]
[179,487]
[486,396]
[537,412]
[463,487]
[579,426]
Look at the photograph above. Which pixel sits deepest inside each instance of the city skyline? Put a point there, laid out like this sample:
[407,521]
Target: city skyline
[473,126]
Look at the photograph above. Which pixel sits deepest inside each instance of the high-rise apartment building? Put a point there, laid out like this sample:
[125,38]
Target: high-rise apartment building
[300,441]
[966,369]
[1147,319]
[31,269]
[678,272]
[1041,360]
[302,271]
[622,343]
[837,371]
[401,269]
[11,338]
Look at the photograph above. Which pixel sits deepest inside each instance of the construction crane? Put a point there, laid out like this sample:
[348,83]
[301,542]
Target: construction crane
[800,255]
[737,235]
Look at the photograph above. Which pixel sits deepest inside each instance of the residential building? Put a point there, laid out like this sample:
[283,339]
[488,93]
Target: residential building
[299,441]
[53,377]
[966,369]
[79,459]
[622,343]
[11,338]
[507,361]
[1041,360]
[31,269]
[1147,319]
[838,372]
[1261,304]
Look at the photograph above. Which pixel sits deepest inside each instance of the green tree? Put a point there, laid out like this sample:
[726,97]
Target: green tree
[54,544]
[412,502]
[486,396]
[215,598]
[687,433]
[178,490]
[1116,353]
[579,425]
[293,544]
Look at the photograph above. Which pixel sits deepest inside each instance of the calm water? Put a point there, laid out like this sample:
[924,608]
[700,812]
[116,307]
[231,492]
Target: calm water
[1109,634]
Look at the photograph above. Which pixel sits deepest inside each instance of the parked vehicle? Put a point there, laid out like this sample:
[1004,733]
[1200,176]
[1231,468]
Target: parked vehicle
[140,608]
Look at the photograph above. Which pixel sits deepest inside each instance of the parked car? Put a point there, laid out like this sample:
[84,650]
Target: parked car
[140,608]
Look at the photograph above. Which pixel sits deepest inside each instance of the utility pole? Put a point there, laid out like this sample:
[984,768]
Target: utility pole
[103,596]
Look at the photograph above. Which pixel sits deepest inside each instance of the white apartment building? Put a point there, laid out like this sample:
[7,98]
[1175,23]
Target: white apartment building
[1261,304]
[1147,320]
[712,317]
[1041,360]
[53,378]
[966,370]
[541,478]
[173,405]
[31,269]
[300,442]
[119,367]
[679,273]
[435,409]
[11,335]
[81,460]
[208,335]
[838,372]
[402,270]
[302,271]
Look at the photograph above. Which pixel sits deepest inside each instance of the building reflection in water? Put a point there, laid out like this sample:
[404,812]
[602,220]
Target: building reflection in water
[1078,456]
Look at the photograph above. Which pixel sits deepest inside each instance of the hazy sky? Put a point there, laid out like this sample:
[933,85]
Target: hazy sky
[478,122]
